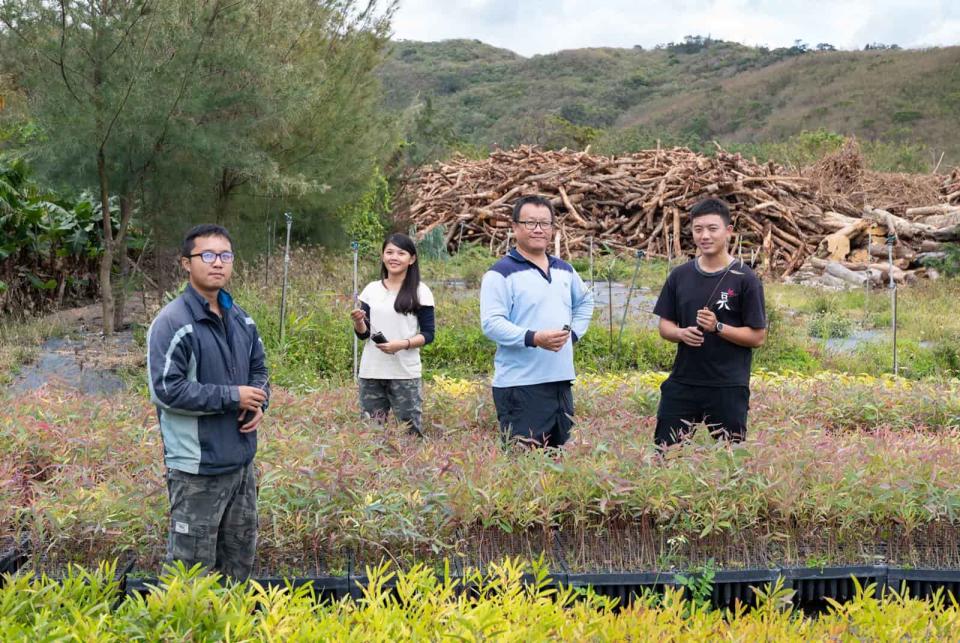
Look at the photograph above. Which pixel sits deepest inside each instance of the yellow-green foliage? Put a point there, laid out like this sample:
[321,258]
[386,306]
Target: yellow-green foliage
[419,605]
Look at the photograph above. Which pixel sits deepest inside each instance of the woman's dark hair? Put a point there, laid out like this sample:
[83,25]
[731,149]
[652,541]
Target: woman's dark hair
[407,300]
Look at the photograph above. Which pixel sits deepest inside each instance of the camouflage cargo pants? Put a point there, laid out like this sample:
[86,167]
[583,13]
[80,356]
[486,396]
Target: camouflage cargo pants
[213,520]
[405,397]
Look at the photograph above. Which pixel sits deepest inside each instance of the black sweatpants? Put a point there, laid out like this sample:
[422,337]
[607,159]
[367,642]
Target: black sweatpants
[723,409]
[535,414]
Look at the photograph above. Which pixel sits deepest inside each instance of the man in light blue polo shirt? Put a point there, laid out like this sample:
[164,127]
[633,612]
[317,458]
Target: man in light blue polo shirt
[535,307]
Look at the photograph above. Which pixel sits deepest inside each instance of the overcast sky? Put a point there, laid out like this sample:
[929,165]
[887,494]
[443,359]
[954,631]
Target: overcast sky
[542,26]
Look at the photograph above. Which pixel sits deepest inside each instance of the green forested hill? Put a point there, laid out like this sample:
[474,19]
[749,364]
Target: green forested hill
[690,93]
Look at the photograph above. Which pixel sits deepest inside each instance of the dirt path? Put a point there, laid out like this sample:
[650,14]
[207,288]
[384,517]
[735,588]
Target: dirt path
[83,360]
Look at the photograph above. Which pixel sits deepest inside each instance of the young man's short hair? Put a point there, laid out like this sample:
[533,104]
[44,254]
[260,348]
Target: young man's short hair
[202,230]
[532,199]
[711,206]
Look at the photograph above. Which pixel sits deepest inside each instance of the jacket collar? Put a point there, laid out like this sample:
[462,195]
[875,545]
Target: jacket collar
[515,254]
[551,263]
[200,307]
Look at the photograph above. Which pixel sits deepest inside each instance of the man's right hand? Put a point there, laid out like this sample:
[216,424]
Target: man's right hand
[251,398]
[691,336]
[552,340]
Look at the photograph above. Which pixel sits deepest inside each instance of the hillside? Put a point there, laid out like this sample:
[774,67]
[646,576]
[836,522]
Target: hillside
[690,93]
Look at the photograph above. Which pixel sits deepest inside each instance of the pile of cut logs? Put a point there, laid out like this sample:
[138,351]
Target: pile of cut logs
[951,187]
[640,202]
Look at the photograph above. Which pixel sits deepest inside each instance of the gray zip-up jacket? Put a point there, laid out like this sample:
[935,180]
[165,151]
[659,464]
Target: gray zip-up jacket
[196,361]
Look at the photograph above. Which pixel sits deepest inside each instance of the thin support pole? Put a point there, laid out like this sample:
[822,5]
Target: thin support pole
[626,308]
[610,304]
[355,246]
[271,242]
[593,284]
[286,269]
[891,239]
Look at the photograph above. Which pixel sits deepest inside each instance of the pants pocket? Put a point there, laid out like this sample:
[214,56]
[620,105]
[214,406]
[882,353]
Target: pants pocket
[190,542]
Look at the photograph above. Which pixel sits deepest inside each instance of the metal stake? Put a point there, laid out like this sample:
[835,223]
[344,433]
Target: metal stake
[891,239]
[286,268]
[355,246]
[610,302]
[266,267]
[633,282]
[593,285]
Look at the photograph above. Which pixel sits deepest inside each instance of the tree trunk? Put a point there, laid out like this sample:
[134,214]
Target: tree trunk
[106,259]
[123,261]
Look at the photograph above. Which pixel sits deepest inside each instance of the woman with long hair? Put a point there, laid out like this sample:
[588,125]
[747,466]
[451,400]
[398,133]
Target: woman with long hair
[396,318]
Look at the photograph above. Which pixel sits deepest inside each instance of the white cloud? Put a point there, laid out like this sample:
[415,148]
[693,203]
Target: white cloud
[541,26]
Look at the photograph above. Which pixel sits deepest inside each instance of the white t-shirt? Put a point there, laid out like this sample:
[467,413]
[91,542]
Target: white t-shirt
[404,364]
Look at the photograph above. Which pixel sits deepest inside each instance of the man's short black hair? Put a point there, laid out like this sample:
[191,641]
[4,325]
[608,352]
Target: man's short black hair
[203,230]
[711,206]
[532,199]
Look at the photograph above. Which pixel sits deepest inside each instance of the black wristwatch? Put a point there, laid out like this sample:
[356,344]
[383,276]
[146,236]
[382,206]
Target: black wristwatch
[718,328]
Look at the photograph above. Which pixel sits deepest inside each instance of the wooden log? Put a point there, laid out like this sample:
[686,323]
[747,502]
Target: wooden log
[900,252]
[572,211]
[884,269]
[836,221]
[947,234]
[837,244]
[924,257]
[836,269]
[945,220]
[928,210]
[849,276]
[901,227]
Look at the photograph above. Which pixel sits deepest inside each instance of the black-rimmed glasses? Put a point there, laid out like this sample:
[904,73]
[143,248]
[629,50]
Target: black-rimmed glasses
[533,225]
[209,256]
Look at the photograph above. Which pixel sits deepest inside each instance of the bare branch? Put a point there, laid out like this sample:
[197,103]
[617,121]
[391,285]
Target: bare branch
[126,34]
[208,30]
[133,80]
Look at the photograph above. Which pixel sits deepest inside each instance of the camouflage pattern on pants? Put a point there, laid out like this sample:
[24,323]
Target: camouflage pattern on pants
[213,520]
[405,397]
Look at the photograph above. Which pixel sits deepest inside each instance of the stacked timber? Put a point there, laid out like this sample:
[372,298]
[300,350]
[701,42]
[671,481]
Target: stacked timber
[783,220]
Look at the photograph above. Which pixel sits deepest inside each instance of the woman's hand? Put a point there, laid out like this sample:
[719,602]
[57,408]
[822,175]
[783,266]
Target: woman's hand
[392,347]
[359,320]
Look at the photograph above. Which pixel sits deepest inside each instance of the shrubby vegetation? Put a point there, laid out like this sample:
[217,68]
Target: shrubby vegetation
[49,243]
[837,467]
[419,605]
[319,346]
[688,93]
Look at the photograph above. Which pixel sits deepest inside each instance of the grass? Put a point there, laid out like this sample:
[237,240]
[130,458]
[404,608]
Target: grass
[20,343]
[318,344]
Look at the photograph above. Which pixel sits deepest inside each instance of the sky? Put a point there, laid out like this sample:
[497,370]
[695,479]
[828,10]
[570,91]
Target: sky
[530,27]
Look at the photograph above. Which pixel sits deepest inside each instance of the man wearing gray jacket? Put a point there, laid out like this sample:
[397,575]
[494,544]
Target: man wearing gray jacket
[208,377]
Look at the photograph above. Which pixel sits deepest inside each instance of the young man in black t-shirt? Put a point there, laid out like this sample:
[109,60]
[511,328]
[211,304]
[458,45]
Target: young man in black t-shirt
[712,307]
